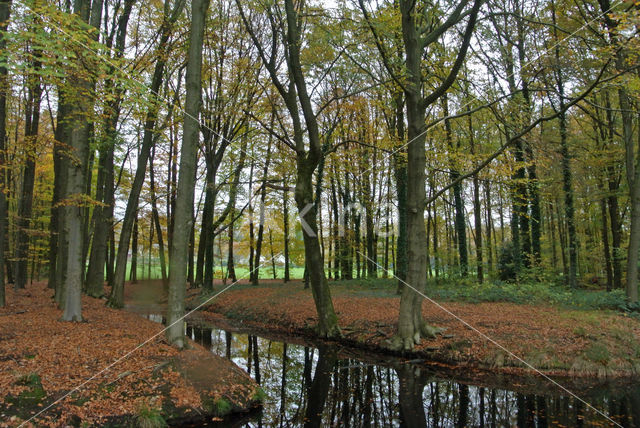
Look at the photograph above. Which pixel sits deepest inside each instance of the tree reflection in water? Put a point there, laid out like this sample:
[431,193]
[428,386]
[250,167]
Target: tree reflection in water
[312,387]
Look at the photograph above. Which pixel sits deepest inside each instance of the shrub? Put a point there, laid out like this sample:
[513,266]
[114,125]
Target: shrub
[149,417]
[507,269]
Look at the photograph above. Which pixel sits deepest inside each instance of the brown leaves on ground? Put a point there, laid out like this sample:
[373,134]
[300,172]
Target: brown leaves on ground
[65,355]
[555,340]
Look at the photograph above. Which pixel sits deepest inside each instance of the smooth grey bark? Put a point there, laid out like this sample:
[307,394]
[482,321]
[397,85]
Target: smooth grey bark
[116,299]
[183,214]
[76,174]
[5,13]
[58,241]
[411,326]
[400,176]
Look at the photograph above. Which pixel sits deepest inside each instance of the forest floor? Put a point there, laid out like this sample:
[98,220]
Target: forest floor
[556,339]
[43,360]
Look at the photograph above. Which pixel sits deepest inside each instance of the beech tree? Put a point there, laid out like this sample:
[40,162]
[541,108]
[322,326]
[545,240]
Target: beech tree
[421,28]
[186,179]
[5,12]
[288,25]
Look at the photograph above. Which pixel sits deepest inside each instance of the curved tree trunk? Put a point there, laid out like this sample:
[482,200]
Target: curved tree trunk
[116,299]
[102,214]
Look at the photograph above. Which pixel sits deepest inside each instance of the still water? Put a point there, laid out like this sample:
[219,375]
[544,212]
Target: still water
[319,386]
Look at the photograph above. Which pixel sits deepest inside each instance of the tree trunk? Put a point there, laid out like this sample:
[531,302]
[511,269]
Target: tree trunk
[231,267]
[285,214]
[633,179]
[205,246]
[76,185]
[605,243]
[103,215]
[477,211]
[459,218]
[58,242]
[263,195]
[186,181]
[567,179]
[567,186]
[5,12]
[156,221]
[116,299]
[411,326]
[296,98]
[25,204]
[133,272]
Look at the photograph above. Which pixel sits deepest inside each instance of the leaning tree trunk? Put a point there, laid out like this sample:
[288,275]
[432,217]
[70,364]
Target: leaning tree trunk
[183,214]
[327,319]
[296,97]
[116,299]
[103,215]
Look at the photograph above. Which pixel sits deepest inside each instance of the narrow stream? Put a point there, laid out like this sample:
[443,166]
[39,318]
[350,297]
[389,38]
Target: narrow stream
[312,386]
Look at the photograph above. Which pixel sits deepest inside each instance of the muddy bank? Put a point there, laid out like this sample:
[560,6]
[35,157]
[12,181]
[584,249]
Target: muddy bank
[43,360]
[559,342]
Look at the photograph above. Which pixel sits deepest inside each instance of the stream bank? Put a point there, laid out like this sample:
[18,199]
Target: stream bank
[564,342]
[42,360]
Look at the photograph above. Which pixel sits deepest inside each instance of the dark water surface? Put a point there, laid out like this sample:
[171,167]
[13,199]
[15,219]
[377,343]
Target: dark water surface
[319,386]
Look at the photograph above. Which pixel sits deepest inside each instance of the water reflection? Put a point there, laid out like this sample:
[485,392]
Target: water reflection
[313,387]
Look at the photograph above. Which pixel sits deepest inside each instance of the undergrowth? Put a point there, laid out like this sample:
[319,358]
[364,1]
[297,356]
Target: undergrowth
[530,292]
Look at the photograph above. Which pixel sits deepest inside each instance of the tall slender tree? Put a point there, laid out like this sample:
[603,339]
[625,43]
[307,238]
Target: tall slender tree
[186,179]
[5,12]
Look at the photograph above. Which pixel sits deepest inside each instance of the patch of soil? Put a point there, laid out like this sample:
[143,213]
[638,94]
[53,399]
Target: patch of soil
[109,367]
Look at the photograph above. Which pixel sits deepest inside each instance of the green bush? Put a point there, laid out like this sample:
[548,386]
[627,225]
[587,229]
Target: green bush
[222,407]
[149,417]
[507,269]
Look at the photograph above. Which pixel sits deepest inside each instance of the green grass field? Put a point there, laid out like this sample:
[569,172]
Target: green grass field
[144,271]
